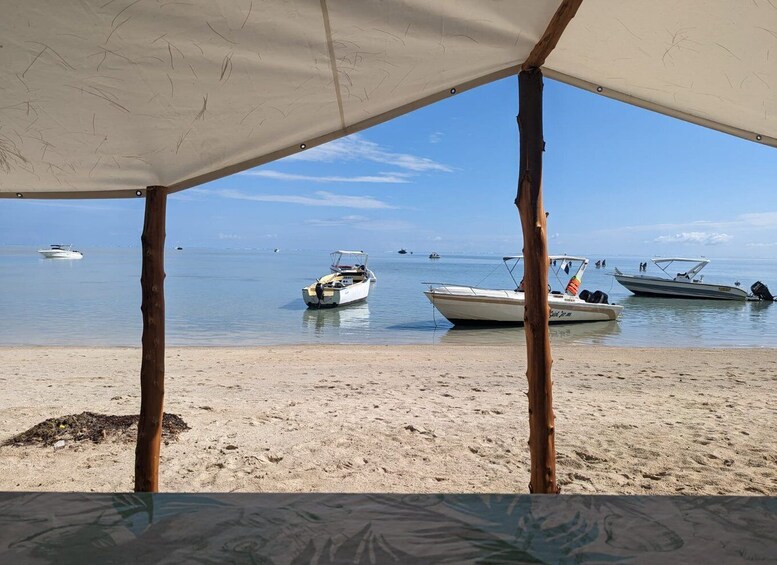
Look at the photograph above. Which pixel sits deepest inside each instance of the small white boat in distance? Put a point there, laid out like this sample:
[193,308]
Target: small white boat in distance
[61,251]
[686,284]
[346,284]
[468,305]
[434,255]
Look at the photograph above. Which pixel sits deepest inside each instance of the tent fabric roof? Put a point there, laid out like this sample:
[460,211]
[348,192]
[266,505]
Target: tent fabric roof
[103,98]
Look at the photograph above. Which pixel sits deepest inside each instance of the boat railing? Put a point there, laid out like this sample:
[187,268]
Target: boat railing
[443,287]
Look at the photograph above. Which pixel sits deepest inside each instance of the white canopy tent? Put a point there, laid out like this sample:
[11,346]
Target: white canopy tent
[104,98]
[125,98]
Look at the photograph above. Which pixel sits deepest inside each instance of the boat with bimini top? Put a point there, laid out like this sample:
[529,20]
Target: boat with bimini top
[469,305]
[349,282]
[688,283]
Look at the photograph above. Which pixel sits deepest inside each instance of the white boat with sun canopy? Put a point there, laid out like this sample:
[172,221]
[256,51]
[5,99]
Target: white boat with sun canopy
[469,305]
[688,283]
[349,282]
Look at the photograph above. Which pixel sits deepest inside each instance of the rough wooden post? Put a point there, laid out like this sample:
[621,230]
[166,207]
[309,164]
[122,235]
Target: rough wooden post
[152,368]
[536,311]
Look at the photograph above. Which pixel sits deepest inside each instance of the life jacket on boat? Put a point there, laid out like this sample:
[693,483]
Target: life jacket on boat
[572,286]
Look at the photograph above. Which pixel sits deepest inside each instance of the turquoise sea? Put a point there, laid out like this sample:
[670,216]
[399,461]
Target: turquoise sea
[253,297]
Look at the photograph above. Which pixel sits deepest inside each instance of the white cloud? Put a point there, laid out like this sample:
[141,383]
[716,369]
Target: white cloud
[762,244]
[391,178]
[702,238]
[361,223]
[356,148]
[229,236]
[345,220]
[435,137]
[760,219]
[742,221]
[319,198]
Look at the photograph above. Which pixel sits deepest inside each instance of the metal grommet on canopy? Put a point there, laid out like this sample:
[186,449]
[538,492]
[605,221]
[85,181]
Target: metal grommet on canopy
[302,146]
[453,91]
[599,89]
[19,195]
[138,193]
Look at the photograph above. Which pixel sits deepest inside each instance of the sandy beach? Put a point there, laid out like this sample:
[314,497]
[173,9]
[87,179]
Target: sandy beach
[404,419]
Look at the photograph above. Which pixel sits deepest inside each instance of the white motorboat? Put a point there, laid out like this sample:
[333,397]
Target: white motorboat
[468,305]
[686,284]
[348,283]
[61,251]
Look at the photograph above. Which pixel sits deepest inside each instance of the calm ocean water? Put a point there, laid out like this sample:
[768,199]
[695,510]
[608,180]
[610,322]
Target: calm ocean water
[252,297]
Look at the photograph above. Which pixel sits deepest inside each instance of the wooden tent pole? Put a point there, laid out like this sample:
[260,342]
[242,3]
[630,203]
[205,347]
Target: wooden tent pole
[536,310]
[152,368]
[542,443]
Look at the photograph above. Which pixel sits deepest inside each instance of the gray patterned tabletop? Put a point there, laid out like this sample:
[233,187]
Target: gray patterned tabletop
[382,528]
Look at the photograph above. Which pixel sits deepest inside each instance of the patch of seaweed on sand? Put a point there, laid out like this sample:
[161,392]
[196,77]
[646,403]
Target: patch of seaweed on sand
[93,427]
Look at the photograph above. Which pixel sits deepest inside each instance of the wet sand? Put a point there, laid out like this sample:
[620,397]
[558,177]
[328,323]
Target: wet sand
[405,419]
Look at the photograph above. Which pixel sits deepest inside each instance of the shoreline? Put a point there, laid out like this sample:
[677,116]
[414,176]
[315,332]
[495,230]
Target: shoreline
[404,418]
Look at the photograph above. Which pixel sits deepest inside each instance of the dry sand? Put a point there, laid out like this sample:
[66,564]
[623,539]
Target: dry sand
[405,419]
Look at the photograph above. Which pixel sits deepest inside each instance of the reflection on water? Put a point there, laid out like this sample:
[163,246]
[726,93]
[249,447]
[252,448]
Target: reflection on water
[354,318]
[587,333]
[724,322]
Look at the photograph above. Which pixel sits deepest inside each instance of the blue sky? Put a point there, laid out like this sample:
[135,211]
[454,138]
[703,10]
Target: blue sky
[618,180]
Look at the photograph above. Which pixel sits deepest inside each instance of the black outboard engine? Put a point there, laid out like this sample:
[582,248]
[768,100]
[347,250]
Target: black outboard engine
[760,290]
[599,297]
[585,295]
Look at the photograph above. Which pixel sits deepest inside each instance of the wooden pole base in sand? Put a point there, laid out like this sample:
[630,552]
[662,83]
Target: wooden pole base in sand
[152,368]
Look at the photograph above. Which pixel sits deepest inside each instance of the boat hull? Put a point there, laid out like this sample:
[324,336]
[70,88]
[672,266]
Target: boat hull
[334,297]
[655,286]
[60,254]
[467,306]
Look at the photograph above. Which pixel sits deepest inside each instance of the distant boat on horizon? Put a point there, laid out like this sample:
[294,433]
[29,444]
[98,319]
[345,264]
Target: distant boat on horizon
[434,255]
[402,251]
[61,251]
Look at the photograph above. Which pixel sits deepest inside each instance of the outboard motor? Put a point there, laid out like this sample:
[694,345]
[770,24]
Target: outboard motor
[760,290]
[585,295]
[599,297]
